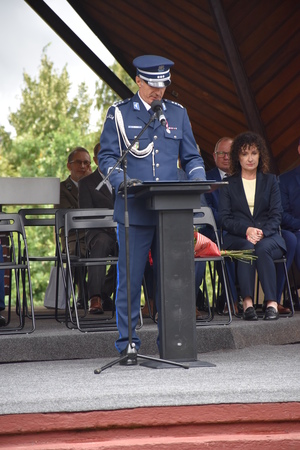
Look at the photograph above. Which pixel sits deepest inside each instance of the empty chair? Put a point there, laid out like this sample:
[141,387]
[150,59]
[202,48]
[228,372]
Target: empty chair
[20,289]
[42,219]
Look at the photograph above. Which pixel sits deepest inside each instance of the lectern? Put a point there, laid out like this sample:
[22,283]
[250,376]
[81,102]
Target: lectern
[174,203]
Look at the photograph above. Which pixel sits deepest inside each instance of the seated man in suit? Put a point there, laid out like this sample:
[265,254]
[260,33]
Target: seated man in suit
[79,165]
[289,185]
[100,243]
[221,157]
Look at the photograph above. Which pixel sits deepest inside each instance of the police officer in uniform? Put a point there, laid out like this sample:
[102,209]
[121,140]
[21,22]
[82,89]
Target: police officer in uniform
[153,158]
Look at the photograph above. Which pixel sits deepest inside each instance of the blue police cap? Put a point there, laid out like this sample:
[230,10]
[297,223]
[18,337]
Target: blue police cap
[155,70]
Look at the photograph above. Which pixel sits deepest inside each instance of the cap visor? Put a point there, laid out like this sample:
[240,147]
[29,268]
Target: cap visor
[159,84]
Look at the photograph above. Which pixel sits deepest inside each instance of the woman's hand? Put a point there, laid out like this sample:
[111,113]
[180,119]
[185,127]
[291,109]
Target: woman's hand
[254,235]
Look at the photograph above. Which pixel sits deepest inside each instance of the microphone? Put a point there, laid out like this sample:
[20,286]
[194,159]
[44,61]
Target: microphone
[156,106]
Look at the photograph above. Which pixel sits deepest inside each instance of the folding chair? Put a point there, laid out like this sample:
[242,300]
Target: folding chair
[40,218]
[19,280]
[86,219]
[62,289]
[204,216]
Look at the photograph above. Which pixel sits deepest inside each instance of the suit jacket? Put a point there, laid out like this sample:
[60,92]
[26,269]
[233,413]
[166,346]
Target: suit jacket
[69,200]
[90,198]
[289,184]
[155,155]
[68,195]
[213,198]
[235,214]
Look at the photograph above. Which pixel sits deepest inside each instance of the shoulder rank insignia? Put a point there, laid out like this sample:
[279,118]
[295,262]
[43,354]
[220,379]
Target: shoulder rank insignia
[173,103]
[121,102]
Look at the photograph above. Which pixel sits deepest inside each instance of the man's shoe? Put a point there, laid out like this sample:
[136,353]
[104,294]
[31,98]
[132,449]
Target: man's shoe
[199,314]
[131,359]
[107,303]
[250,314]
[80,303]
[2,321]
[96,306]
[271,313]
[145,310]
[283,310]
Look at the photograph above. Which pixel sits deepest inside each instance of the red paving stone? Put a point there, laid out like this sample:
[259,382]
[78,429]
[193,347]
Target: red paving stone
[251,426]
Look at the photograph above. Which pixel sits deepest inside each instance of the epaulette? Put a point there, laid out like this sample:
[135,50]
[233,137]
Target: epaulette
[121,102]
[173,103]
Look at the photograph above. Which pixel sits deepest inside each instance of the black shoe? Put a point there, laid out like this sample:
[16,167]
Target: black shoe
[107,303]
[250,314]
[131,359]
[2,321]
[80,303]
[271,313]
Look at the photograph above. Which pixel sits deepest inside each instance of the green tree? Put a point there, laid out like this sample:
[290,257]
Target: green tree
[105,96]
[48,125]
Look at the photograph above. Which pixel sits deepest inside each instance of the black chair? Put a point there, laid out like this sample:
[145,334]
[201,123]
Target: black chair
[20,287]
[76,221]
[40,218]
[204,217]
[62,289]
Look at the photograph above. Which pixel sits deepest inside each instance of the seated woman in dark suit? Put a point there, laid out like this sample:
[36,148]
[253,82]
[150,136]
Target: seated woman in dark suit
[250,211]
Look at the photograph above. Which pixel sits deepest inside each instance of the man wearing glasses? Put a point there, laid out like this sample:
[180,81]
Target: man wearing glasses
[222,160]
[79,166]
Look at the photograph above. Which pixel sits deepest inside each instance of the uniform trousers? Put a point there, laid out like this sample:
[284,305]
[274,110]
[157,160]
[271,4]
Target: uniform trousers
[266,251]
[99,284]
[141,239]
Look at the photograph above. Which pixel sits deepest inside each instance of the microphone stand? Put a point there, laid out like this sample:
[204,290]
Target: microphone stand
[131,351]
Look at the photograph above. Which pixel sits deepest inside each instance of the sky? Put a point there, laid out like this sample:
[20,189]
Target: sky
[23,35]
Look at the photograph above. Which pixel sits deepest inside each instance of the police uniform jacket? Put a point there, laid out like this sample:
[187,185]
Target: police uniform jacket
[235,214]
[154,157]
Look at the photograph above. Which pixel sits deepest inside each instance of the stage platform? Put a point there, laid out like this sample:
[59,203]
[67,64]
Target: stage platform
[52,340]
[250,393]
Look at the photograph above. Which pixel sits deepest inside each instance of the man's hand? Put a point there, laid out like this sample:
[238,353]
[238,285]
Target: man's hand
[129,183]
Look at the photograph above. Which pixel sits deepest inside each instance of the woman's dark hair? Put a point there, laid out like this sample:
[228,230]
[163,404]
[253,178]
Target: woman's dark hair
[243,141]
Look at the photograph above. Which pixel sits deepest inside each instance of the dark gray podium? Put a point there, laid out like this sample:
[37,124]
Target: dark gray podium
[174,203]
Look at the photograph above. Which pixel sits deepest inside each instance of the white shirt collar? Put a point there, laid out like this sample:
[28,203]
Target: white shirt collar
[148,107]
[222,173]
